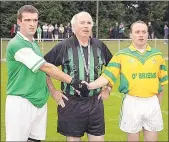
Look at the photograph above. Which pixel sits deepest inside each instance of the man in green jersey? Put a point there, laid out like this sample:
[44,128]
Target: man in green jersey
[27,90]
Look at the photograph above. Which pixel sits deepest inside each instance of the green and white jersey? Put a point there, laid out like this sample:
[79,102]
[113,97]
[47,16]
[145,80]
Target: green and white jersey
[24,59]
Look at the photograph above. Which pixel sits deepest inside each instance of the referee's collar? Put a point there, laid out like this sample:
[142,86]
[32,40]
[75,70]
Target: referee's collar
[77,42]
[24,37]
[132,48]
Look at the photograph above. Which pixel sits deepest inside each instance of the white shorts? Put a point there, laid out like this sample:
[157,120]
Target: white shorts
[23,120]
[138,113]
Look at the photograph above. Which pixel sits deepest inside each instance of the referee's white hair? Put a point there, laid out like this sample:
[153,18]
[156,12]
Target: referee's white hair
[74,19]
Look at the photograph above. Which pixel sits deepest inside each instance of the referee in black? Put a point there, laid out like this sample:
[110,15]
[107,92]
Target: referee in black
[83,58]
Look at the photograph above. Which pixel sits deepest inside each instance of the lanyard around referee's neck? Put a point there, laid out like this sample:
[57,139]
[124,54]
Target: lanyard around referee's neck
[86,65]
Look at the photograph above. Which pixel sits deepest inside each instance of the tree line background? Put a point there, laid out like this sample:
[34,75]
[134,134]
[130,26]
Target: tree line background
[110,12]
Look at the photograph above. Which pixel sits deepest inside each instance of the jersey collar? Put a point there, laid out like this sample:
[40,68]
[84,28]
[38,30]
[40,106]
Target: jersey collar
[24,37]
[133,49]
[76,42]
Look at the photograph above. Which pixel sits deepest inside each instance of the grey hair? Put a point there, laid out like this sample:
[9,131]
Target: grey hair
[74,19]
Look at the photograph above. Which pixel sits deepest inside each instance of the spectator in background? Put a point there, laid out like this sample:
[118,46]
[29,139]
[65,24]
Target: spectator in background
[61,31]
[116,31]
[113,32]
[150,31]
[17,28]
[110,33]
[39,33]
[69,31]
[121,31]
[45,31]
[165,34]
[56,32]
[13,30]
[65,32]
[50,31]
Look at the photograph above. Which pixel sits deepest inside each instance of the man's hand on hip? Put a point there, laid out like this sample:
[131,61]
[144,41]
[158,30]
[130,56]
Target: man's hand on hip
[104,94]
[58,97]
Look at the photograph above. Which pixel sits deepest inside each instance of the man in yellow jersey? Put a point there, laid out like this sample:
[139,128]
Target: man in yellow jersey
[142,73]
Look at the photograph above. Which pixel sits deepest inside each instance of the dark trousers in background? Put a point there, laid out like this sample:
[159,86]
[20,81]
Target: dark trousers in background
[45,34]
[121,36]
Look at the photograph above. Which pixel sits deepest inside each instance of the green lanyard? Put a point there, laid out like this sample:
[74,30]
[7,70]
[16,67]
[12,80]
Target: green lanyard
[87,68]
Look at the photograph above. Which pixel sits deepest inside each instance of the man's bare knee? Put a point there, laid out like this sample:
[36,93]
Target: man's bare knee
[95,138]
[150,136]
[73,139]
[133,137]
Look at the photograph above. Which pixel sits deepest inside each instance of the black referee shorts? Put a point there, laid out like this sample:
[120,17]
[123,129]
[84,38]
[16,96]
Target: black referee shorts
[80,115]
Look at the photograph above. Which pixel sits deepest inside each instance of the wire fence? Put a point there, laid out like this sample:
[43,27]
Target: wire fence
[113,44]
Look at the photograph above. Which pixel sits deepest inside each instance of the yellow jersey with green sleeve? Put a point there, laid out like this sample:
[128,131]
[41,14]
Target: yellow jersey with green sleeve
[141,74]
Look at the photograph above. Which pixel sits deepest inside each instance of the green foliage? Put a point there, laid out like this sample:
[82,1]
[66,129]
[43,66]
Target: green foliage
[110,12]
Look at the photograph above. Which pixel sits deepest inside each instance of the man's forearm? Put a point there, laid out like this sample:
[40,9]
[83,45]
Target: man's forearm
[50,84]
[55,72]
[98,83]
[160,95]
